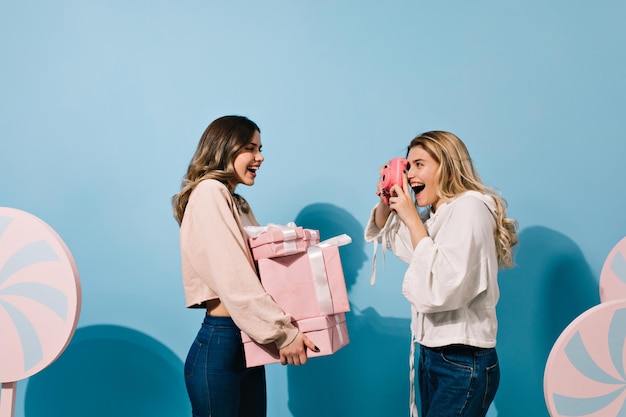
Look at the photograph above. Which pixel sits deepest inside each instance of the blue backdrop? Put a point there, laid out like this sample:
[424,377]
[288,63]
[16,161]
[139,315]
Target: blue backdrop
[103,103]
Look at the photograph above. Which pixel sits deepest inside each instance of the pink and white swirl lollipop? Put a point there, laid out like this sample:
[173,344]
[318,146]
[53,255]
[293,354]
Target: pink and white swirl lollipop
[40,299]
[613,275]
[585,373]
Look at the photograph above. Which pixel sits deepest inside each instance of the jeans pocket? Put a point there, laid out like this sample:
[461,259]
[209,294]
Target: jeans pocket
[225,353]
[192,358]
[492,383]
[458,360]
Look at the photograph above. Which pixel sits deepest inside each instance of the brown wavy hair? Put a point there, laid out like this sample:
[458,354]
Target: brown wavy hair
[219,145]
[456,174]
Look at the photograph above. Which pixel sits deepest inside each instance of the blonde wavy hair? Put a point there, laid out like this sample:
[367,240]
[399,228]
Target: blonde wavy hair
[456,174]
[219,145]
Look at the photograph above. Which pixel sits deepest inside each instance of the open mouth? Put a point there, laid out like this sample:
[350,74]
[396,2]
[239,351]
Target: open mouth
[253,169]
[418,188]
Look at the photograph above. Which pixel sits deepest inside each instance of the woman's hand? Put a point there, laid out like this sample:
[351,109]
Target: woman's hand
[401,202]
[295,352]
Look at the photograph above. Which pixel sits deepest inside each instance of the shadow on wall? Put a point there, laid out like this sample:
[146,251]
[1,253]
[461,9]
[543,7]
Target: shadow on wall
[551,286]
[370,376]
[110,371]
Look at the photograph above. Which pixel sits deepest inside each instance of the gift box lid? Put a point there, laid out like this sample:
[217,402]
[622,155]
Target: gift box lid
[275,234]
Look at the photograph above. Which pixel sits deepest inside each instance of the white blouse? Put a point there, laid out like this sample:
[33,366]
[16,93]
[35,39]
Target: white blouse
[452,278]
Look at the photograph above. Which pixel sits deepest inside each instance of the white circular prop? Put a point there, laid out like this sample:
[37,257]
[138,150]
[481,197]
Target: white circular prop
[585,373]
[39,295]
[613,274]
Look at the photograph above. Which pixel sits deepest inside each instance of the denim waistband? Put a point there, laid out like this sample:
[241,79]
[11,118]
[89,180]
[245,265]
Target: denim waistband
[221,321]
[459,349]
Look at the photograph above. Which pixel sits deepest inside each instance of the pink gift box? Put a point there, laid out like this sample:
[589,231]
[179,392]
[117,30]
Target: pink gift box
[282,241]
[307,284]
[312,236]
[329,333]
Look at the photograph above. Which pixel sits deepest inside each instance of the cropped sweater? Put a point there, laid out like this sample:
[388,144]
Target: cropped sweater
[217,263]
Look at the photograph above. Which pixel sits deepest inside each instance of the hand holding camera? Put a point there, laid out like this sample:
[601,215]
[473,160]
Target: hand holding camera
[390,175]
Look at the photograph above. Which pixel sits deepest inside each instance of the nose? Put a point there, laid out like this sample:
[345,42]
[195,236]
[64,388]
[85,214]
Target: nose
[410,173]
[259,157]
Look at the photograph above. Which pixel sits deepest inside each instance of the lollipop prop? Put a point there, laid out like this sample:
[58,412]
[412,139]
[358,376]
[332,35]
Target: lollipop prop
[7,399]
[40,299]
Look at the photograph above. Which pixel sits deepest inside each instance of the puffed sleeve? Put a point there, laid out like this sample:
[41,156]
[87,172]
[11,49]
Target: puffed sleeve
[217,251]
[449,272]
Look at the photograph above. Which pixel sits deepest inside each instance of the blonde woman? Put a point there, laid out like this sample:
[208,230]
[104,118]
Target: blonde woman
[219,275]
[454,249]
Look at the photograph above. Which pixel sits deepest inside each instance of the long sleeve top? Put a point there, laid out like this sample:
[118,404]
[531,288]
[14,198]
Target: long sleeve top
[217,263]
[451,281]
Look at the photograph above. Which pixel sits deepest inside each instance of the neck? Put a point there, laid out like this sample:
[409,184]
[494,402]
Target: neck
[231,187]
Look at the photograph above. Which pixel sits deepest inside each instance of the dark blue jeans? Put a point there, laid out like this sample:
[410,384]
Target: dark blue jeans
[218,382]
[457,380]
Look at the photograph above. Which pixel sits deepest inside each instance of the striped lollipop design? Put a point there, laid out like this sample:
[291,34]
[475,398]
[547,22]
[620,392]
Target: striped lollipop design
[613,274]
[39,295]
[585,373]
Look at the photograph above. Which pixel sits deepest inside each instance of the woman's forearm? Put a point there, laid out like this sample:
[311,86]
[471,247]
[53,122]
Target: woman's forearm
[382,214]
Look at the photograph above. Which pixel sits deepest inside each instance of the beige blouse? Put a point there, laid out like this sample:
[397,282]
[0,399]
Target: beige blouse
[217,263]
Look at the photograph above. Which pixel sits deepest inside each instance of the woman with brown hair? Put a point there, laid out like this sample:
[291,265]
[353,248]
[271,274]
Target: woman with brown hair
[219,275]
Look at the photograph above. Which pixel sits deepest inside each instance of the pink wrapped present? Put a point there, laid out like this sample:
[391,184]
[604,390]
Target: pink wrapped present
[329,333]
[308,284]
[312,236]
[276,240]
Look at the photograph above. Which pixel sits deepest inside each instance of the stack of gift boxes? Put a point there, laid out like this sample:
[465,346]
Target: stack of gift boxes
[305,278]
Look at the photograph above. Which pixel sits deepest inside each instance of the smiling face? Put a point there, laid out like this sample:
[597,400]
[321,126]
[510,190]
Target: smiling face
[422,177]
[248,161]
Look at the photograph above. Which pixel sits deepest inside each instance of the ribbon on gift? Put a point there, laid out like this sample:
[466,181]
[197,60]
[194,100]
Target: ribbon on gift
[339,240]
[288,230]
[339,332]
[312,235]
[288,236]
[320,278]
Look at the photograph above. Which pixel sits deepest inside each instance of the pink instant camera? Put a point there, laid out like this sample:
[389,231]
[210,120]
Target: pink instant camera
[392,175]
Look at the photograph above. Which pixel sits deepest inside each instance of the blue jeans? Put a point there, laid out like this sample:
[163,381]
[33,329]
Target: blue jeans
[218,382]
[457,380]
